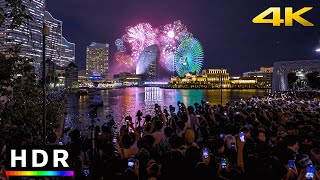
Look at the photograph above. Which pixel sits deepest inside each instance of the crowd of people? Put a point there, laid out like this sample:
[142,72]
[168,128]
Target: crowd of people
[271,137]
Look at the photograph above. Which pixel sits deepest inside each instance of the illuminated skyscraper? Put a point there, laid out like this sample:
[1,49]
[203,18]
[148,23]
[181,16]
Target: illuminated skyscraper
[28,35]
[53,41]
[67,53]
[97,60]
[147,63]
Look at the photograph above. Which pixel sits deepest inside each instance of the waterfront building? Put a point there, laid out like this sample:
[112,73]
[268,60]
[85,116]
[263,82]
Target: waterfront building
[243,82]
[126,78]
[217,77]
[71,76]
[97,61]
[263,76]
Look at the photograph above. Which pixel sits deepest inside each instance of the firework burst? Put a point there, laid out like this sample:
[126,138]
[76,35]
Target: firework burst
[139,37]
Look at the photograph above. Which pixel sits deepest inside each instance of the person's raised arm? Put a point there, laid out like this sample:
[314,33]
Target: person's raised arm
[163,117]
[185,108]
[136,133]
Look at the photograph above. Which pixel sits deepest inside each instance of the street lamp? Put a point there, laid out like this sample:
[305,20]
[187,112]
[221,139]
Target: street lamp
[221,87]
[45,33]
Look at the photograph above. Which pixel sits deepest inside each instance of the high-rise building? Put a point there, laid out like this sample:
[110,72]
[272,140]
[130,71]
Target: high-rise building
[67,53]
[27,35]
[58,49]
[147,63]
[53,40]
[263,77]
[97,60]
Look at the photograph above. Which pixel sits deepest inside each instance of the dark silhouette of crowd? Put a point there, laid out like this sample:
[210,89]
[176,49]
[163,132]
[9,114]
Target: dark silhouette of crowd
[271,137]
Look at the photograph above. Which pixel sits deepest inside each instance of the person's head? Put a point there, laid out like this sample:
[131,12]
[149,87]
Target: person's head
[126,141]
[184,118]
[105,128]
[219,146]
[315,156]
[153,169]
[193,155]
[181,125]
[175,141]
[262,135]
[273,136]
[52,137]
[74,135]
[230,141]
[143,156]
[158,125]
[168,131]
[292,142]
[123,129]
[189,136]
[148,118]
[246,132]
[130,174]
[149,140]
[190,109]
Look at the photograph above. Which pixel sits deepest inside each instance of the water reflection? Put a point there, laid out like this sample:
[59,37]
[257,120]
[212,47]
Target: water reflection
[123,102]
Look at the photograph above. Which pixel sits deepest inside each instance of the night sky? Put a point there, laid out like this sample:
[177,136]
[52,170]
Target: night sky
[224,28]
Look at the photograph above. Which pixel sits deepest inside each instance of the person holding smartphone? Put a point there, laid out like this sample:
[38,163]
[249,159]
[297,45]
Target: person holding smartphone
[243,136]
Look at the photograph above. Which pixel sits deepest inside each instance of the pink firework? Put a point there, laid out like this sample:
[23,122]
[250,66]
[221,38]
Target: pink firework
[139,37]
[123,58]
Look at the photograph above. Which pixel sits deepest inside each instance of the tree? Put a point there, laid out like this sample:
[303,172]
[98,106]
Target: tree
[292,78]
[20,85]
[313,80]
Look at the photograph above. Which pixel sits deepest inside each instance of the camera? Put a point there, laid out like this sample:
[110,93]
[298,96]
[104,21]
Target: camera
[205,153]
[156,109]
[131,163]
[172,110]
[86,170]
[139,113]
[114,140]
[181,106]
[241,135]
[128,118]
[310,172]
[291,164]
[223,163]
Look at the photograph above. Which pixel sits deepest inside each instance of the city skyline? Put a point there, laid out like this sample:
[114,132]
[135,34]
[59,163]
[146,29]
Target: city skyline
[228,38]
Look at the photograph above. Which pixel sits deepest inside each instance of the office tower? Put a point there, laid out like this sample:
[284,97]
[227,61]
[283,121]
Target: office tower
[58,49]
[67,52]
[147,63]
[97,60]
[53,40]
[28,35]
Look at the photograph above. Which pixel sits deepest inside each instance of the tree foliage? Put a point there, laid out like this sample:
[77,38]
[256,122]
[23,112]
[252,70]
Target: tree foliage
[313,80]
[20,87]
[292,78]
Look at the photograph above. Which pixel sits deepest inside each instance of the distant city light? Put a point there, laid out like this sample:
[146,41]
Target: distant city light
[164,83]
[318,49]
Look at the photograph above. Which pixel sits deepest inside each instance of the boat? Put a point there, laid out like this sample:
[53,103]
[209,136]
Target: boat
[95,99]
[82,92]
